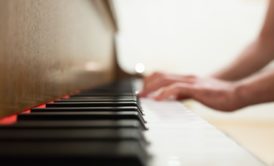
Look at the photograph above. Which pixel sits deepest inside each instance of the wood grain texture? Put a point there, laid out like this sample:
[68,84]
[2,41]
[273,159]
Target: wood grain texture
[49,48]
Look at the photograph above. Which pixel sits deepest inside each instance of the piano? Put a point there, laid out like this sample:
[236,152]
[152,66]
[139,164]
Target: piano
[65,100]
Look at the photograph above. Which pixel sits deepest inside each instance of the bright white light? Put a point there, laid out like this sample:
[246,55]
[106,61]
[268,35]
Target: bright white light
[139,68]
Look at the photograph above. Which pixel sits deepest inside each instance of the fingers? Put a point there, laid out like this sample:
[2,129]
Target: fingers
[159,80]
[151,77]
[154,82]
[176,90]
[146,82]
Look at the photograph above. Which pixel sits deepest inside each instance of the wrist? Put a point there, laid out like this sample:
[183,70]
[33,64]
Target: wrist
[243,92]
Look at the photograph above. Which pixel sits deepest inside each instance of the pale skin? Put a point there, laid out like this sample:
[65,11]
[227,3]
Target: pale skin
[240,84]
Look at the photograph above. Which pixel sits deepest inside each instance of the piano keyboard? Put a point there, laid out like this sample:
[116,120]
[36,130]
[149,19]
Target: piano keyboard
[109,126]
[100,127]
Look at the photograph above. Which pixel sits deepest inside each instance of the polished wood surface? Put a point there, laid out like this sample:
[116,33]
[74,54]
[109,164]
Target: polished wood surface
[50,48]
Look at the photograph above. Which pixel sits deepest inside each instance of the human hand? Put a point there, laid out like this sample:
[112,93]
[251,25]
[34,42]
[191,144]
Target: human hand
[212,92]
[158,80]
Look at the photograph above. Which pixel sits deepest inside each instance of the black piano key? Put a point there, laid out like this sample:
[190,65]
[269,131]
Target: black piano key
[65,136]
[94,104]
[106,97]
[7,134]
[95,124]
[91,104]
[97,100]
[110,89]
[87,109]
[82,116]
[105,94]
[71,153]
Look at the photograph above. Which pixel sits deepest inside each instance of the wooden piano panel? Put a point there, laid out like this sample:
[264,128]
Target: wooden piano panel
[49,48]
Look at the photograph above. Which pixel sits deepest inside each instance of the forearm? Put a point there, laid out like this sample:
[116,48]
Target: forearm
[256,55]
[256,89]
[252,59]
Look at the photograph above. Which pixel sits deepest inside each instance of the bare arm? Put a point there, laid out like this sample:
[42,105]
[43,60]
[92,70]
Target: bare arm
[256,55]
[257,88]
[219,91]
[223,95]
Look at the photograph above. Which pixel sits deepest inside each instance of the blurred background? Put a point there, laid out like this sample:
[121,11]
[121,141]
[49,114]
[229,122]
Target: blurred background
[198,37]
